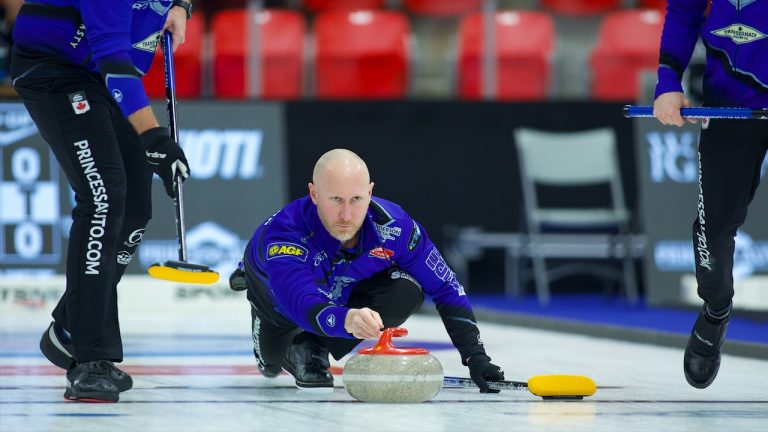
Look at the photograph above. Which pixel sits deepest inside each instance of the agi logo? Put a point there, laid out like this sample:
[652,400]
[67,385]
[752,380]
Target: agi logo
[279,250]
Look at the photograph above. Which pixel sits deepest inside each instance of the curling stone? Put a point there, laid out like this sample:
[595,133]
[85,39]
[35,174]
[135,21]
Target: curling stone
[386,374]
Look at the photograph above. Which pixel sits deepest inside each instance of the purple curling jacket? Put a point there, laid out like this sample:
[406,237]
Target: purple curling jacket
[310,278]
[116,38]
[735,34]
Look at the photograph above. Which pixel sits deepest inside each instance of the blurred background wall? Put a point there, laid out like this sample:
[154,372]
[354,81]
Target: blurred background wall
[430,96]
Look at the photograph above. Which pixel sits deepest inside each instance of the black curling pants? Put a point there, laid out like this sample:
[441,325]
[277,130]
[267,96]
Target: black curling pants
[391,293]
[103,159]
[731,154]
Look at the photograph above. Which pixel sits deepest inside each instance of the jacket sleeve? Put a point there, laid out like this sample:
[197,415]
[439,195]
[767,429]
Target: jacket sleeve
[418,256]
[682,26]
[295,288]
[108,28]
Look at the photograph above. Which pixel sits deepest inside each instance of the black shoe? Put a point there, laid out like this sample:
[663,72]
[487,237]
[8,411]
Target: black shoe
[307,361]
[57,347]
[237,281]
[92,382]
[702,355]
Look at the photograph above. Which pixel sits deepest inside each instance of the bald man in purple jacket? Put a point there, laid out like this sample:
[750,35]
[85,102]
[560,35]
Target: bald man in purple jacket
[338,266]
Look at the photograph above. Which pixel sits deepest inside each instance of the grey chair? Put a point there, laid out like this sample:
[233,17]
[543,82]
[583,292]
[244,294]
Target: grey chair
[574,160]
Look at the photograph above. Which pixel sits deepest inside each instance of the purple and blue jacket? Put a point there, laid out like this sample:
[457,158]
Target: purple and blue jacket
[114,38]
[310,277]
[735,34]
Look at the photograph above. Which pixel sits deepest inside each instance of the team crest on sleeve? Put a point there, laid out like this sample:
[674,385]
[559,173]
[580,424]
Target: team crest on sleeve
[413,241]
[286,250]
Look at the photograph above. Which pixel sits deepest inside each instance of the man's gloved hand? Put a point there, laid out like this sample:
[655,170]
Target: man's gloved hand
[165,156]
[482,370]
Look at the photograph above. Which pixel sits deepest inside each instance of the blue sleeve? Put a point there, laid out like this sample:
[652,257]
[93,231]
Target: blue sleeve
[682,26]
[108,26]
[293,283]
[418,256]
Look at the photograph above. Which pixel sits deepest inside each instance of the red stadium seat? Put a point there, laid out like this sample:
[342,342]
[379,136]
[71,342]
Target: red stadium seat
[326,5]
[361,54]
[525,42]
[187,61]
[628,42]
[442,7]
[281,36]
[580,7]
[653,4]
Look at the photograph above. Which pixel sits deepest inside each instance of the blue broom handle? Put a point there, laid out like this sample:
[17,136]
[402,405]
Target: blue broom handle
[701,112]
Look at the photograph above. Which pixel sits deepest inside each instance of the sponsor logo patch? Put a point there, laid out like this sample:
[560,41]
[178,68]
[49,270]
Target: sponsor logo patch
[280,250]
[135,237]
[415,237]
[380,252]
[739,33]
[148,44]
[79,102]
[124,258]
[387,232]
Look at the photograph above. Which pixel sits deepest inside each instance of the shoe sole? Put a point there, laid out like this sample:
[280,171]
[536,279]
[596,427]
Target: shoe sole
[700,385]
[315,387]
[91,397]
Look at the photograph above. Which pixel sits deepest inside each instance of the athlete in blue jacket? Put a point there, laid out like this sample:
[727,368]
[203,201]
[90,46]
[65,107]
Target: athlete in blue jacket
[731,152]
[338,266]
[77,66]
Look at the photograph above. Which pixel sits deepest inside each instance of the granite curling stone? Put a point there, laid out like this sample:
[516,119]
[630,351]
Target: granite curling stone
[386,374]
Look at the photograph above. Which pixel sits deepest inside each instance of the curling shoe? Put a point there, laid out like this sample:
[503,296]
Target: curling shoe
[56,345]
[91,382]
[702,354]
[307,361]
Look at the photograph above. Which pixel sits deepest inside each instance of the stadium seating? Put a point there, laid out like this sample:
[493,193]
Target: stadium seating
[281,53]
[187,65]
[580,7]
[651,4]
[326,5]
[628,42]
[361,54]
[524,46]
[439,8]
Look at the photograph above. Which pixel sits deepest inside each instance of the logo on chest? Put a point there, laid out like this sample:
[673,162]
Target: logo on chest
[380,252]
[286,250]
[739,33]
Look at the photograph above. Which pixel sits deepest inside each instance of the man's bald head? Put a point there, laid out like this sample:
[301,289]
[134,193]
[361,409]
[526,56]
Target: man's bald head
[340,164]
[341,189]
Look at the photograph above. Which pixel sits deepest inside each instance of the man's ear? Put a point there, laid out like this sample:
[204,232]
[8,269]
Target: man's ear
[312,192]
[370,190]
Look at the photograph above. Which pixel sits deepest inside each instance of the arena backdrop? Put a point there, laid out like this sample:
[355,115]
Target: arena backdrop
[447,163]
[236,154]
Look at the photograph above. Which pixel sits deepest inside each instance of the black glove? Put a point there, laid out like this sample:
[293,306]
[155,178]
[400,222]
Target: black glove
[165,156]
[481,370]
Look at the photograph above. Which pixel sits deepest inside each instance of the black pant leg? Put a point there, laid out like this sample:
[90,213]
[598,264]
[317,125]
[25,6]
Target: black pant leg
[272,333]
[393,293]
[88,150]
[731,153]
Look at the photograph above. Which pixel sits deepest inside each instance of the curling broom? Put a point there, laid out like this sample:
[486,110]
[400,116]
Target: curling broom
[555,387]
[181,270]
[701,112]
